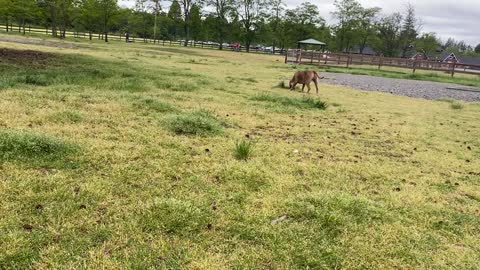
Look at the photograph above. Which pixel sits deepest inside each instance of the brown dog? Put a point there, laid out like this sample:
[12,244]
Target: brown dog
[305,78]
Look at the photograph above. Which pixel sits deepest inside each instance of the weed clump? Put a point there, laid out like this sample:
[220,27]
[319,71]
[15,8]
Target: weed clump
[154,105]
[36,79]
[199,122]
[456,105]
[301,103]
[67,117]
[243,150]
[22,145]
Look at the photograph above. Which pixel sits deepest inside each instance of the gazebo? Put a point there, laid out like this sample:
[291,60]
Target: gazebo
[312,41]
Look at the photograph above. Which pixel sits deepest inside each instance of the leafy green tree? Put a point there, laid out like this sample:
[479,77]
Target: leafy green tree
[477,48]
[366,26]
[250,14]
[221,10]
[347,13]
[428,43]
[196,23]
[389,29]
[276,15]
[107,9]
[175,16]
[187,16]
[142,18]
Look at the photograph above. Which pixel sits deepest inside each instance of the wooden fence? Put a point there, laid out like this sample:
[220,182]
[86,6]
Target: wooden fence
[121,37]
[296,56]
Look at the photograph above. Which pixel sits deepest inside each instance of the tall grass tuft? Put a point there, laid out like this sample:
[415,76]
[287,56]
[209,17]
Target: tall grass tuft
[243,150]
[301,103]
[23,145]
[456,105]
[154,105]
[199,122]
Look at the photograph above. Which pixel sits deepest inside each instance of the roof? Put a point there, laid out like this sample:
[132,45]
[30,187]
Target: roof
[470,60]
[311,41]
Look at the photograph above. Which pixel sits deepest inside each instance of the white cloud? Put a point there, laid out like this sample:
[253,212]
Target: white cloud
[459,19]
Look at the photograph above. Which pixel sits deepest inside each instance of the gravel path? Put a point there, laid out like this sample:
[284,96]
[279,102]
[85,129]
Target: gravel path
[403,87]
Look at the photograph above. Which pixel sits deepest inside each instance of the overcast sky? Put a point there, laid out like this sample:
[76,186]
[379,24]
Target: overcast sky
[459,19]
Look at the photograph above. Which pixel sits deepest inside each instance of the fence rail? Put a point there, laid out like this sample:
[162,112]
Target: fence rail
[296,56]
[121,37]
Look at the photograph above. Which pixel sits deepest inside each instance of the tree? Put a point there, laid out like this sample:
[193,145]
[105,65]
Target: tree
[477,48]
[88,16]
[250,13]
[366,26]
[410,29]
[302,22]
[107,9]
[278,8]
[156,7]
[221,9]
[195,23]
[389,29]
[427,43]
[141,12]
[348,13]
[187,9]
[175,16]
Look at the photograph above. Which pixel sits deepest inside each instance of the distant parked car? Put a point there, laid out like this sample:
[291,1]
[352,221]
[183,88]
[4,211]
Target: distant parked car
[270,49]
[235,46]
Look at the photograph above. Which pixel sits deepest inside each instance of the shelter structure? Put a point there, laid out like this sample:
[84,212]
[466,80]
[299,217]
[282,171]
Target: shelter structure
[312,42]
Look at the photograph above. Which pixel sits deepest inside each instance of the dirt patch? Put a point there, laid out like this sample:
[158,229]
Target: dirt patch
[25,57]
[36,41]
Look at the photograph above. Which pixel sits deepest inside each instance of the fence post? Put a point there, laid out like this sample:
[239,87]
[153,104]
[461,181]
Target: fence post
[380,62]
[348,61]
[453,68]
[311,58]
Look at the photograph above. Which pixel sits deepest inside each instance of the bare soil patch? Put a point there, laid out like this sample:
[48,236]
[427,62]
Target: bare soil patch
[25,57]
[37,41]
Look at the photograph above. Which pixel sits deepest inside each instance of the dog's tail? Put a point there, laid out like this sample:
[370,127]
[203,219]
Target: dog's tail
[318,76]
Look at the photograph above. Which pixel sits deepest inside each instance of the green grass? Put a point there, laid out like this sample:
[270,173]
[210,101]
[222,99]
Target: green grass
[124,156]
[199,122]
[154,105]
[243,150]
[456,105]
[28,146]
[300,103]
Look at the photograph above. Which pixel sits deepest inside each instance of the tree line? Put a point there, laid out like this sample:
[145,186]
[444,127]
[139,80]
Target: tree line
[250,22]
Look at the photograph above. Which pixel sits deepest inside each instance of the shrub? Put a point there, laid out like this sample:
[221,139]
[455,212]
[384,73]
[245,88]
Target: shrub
[199,122]
[243,150]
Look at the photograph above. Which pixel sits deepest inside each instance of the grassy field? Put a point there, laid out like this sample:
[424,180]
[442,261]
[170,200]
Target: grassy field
[135,156]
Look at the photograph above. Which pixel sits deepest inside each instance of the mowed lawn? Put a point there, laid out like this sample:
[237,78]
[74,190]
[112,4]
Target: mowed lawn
[122,156]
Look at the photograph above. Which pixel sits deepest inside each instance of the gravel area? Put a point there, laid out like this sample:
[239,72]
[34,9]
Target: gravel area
[403,87]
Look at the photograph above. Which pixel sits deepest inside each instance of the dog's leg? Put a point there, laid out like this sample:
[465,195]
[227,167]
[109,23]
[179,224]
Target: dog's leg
[303,87]
[316,86]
